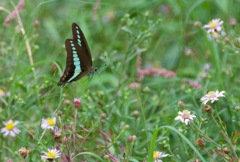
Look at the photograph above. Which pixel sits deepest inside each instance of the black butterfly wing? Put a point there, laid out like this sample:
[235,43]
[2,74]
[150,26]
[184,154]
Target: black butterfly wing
[74,66]
[79,38]
[84,63]
[79,60]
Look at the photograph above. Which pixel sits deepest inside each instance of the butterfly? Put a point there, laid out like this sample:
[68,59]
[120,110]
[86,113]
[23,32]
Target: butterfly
[79,59]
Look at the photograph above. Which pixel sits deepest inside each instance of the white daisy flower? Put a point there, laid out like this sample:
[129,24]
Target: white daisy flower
[157,155]
[51,154]
[10,128]
[212,96]
[48,123]
[185,117]
[214,26]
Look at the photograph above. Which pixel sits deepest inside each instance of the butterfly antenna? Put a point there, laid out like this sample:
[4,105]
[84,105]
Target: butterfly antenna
[102,66]
[99,75]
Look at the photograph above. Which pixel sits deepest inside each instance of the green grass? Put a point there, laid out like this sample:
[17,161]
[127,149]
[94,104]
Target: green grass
[113,119]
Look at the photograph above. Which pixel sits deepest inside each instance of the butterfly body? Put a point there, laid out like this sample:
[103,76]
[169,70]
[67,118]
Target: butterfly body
[79,59]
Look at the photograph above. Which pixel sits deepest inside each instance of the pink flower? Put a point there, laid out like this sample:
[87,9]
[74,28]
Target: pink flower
[152,71]
[13,14]
[114,159]
[77,102]
[193,84]
[134,85]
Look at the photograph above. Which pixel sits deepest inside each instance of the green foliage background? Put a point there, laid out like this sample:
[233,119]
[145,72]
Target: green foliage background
[117,33]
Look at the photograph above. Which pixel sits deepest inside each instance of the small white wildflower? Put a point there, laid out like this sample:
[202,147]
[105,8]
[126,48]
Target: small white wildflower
[185,117]
[51,154]
[212,96]
[157,155]
[10,128]
[4,94]
[207,66]
[214,26]
[48,123]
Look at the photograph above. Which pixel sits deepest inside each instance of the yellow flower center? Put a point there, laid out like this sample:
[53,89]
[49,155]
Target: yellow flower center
[211,94]
[1,92]
[10,126]
[155,155]
[212,24]
[51,154]
[50,122]
[186,114]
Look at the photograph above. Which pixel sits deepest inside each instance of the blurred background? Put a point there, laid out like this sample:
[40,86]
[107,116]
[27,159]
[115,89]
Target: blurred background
[165,35]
